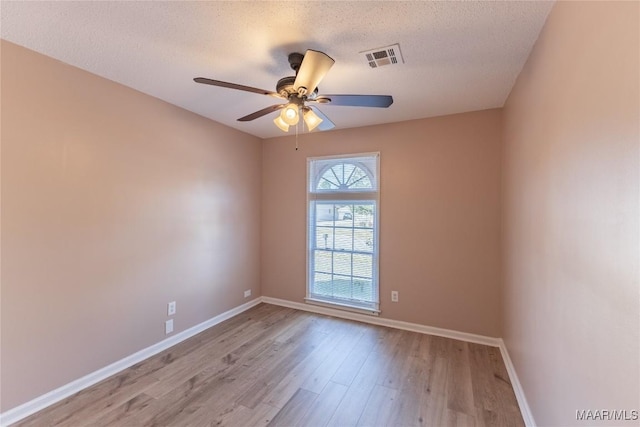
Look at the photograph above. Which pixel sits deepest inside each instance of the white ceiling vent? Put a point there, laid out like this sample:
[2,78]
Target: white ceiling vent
[389,55]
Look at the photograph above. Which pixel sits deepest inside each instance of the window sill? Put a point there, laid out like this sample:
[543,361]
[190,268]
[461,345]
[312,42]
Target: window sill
[345,307]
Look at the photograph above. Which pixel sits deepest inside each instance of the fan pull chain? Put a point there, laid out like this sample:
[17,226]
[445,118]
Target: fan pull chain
[297,126]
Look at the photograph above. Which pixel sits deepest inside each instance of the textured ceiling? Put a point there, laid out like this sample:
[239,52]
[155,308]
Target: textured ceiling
[459,56]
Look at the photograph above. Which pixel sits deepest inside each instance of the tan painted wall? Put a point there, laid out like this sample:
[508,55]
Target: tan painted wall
[113,204]
[439,213]
[571,187]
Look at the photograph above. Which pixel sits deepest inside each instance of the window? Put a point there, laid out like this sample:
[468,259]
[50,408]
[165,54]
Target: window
[342,258]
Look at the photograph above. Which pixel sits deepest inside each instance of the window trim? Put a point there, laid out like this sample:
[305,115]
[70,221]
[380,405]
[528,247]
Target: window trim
[338,196]
[345,307]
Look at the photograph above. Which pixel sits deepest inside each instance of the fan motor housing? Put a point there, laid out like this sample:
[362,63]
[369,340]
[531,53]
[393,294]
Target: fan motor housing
[285,87]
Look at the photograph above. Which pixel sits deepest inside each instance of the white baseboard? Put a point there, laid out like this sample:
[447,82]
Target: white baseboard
[447,333]
[19,412]
[517,387]
[374,320]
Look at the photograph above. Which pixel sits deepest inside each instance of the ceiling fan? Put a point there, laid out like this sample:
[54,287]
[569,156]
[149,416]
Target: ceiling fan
[301,93]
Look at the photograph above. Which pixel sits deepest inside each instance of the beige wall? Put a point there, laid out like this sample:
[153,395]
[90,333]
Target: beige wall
[571,246]
[113,204]
[439,211]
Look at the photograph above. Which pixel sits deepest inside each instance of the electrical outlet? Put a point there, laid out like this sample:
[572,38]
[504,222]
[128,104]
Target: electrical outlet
[394,296]
[247,293]
[171,308]
[168,326]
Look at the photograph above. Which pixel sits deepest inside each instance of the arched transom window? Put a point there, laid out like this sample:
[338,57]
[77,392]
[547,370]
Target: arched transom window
[344,176]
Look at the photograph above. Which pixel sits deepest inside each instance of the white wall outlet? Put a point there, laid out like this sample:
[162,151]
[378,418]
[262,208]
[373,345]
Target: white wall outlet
[168,326]
[394,296]
[247,293]
[171,308]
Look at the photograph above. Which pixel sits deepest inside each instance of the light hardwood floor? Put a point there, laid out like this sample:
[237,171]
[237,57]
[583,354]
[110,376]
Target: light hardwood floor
[282,367]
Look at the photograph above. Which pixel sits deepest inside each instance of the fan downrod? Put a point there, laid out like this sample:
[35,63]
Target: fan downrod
[295,59]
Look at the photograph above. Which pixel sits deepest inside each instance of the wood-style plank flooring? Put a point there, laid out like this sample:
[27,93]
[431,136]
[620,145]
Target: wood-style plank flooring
[282,367]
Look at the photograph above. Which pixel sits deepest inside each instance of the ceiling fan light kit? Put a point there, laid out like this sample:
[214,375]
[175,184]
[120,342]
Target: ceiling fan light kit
[290,114]
[301,89]
[310,118]
[281,123]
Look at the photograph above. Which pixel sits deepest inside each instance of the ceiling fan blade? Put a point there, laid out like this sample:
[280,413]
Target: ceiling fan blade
[261,113]
[326,123]
[314,67]
[381,101]
[235,86]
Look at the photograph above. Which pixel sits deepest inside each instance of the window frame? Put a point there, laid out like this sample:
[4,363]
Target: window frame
[345,196]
